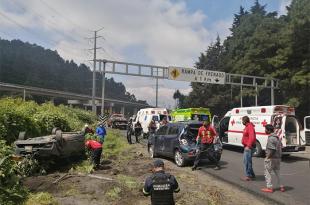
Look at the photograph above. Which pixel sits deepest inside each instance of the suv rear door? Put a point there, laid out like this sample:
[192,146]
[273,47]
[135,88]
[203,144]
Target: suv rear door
[170,139]
[307,129]
[159,139]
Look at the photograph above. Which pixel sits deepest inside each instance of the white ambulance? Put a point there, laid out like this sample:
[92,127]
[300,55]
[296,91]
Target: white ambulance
[280,116]
[146,115]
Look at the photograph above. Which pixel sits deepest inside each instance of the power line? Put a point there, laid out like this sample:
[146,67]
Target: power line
[69,20]
[43,41]
[48,23]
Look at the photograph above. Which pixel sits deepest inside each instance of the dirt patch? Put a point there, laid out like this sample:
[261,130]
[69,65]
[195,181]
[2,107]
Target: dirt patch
[128,173]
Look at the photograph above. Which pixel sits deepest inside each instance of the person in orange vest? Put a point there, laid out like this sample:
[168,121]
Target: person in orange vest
[205,137]
[96,151]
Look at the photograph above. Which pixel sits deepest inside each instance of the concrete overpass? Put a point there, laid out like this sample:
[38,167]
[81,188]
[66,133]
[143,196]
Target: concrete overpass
[73,98]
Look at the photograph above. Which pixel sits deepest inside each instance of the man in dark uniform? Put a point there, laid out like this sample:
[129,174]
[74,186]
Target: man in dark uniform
[161,185]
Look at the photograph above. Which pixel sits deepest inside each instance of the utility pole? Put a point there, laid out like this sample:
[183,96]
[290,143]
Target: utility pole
[256,94]
[94,108]
[103,88]
[156,104]
[272,92]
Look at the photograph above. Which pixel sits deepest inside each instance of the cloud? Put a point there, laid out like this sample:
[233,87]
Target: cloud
[283,5]
[160,32]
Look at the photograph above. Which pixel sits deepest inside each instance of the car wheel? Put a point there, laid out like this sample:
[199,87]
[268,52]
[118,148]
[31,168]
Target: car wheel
[59,137]
[179,159]
[54,130]
[257,151]
[151,151]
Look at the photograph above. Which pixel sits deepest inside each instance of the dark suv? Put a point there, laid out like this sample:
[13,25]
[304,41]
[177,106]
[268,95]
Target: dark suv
[178,141]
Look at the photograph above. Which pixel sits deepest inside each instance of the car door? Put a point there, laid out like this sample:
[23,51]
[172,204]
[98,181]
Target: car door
[159,139]
[170,139]
[216,123]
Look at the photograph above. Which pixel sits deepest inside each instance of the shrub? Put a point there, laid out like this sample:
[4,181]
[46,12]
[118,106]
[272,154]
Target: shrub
[17,116]
[11,190]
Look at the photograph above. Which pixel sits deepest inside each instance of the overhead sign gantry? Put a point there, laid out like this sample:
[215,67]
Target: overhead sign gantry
[183,74]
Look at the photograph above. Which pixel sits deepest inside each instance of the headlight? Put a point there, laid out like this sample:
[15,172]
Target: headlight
[183,142]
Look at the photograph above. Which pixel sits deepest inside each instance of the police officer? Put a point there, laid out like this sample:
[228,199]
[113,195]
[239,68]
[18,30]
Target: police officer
[160,185]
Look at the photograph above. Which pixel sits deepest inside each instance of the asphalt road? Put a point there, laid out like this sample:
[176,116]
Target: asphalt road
[295,172]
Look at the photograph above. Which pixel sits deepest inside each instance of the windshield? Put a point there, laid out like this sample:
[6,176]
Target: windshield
[161,117]
[199,117]
[117,115]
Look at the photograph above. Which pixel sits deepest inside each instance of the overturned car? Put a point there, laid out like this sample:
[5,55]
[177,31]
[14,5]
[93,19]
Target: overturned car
[59,145]
[178,141]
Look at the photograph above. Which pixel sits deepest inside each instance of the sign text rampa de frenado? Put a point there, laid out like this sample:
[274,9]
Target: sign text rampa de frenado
[196,75]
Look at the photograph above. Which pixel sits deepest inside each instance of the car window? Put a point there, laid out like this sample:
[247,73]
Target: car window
[162,130]
[173,130]
[199,117]
[155,118]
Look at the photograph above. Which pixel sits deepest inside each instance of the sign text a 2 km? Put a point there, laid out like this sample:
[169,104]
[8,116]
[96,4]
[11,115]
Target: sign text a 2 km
[196,75]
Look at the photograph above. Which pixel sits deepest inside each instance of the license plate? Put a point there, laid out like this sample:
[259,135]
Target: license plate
[28,148]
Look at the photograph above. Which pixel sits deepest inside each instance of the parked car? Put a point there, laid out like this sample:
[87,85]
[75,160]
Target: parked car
[178,141]
[117,121]
[58,144]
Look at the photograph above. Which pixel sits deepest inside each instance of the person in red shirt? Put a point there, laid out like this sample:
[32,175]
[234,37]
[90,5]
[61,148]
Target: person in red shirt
[96,151]
[248,141]
[205,137]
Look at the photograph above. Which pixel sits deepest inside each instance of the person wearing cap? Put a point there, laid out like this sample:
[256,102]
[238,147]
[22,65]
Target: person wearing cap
[101,132]
[273,159]
[88,130]
[160,185]
[204,140]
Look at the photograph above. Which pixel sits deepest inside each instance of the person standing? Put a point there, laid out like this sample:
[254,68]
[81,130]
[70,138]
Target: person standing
[248,141]
[273,159]
[138,131]
[101,132]
[152,127]
[204,140]
[160,186]
[129,130]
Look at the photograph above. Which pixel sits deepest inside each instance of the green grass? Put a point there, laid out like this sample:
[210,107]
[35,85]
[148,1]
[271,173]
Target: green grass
[85,167]
[129,182]
[115,144]
[41,198]
[114,193]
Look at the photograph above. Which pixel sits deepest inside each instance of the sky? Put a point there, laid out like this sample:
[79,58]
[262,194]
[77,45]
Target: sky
[156,32]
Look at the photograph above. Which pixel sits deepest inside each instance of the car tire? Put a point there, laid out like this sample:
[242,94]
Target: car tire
[59,136]
[258,151]
[179,159]
[151,151]
[54,130]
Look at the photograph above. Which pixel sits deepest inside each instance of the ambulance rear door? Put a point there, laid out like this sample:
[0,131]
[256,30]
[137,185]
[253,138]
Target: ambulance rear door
[307,129]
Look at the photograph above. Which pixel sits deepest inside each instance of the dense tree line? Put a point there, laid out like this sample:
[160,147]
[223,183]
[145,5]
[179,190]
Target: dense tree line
[261,43]
[32,65]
